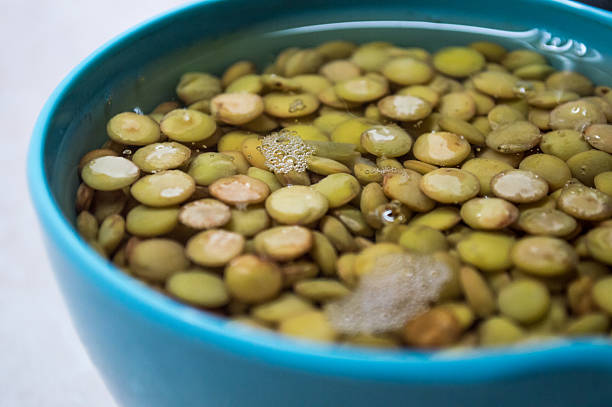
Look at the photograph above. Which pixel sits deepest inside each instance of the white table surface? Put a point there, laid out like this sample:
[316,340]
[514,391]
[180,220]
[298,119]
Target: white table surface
[42,362]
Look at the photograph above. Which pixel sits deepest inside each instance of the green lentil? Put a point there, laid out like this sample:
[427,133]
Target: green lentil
[462,128]
[194,86]
[496,84]
[522,57]
[237,70]
[252,280]
[422,92]
[525,301]
[87,226]
[407,71]
[188,126]
[546,221]
[106,203]
[477,293]
[579,295]
[165,188]
[297,205]
[298,271]
[248,222]
[109,173]
[540,117]
[336,49]
[497,331]
[350,132]
[534,71]
[441,148]
[548,99]
[337,234]
[386,141]
[145,221]
[519,186]
[576,115]
[261,124]
[404,187]
[354,221]
[563,143]
[100,152]
[283,243]
[404,107]
[423,239]
[198,288]
[266,177]
[339,70]
[161,156]
[512,159]
[239,190]
[554,170]
[285,306]
[132,129]
[311,325]
[458,105]
[599,136]
[362,89]
[585,203]
[458,61]
[214,248]
[599,244]
[339,189]
[490,50]
[441,218]
[288,106]
[570,81]
[589,324]
[544,256]
[236,108]
[321,289]
[312,83]
[602,294]
[487,250]
[206,168]
[501,115]
[485,169]
[603,182]
[489,213]
[450,185]
[514,137]
[587,164]
[157,259]
[233,140]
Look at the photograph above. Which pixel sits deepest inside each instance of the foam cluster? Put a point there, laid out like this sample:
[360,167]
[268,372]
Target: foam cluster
[285,152]
[400,287]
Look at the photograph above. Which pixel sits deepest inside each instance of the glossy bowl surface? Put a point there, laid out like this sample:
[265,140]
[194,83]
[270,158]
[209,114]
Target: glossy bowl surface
[153,351]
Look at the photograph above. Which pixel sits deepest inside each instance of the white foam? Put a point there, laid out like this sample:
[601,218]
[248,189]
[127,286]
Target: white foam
[401,287]
[285,152]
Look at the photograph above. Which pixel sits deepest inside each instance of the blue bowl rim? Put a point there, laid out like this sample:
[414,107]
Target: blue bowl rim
[350,362]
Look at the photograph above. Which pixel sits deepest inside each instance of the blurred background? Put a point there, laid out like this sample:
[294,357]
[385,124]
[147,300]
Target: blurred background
[605,4]
[42,362]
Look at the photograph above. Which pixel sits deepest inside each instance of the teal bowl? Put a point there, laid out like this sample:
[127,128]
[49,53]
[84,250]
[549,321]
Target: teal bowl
[152,351]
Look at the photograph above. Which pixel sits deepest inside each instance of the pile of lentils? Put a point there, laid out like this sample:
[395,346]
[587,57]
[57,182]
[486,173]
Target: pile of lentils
[268,197]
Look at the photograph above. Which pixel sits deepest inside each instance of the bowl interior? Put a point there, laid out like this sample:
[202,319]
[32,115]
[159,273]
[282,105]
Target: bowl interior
[129,76]
[141,68]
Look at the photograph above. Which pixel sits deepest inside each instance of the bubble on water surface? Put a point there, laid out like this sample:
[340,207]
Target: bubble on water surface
[400,287]
[285,152]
